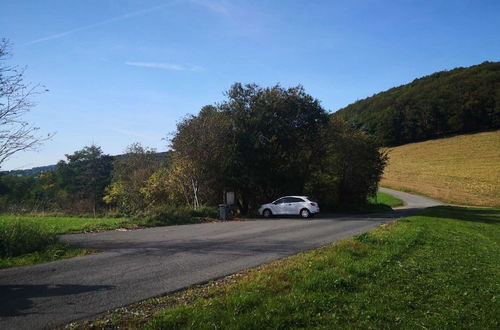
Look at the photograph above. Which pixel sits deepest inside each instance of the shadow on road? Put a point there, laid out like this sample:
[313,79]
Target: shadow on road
[16,298]
[393,214]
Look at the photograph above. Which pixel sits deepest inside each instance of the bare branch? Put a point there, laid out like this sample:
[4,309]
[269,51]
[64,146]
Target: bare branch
[16,134]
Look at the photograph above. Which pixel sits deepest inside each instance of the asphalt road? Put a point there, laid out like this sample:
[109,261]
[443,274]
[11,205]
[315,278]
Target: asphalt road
[140,264]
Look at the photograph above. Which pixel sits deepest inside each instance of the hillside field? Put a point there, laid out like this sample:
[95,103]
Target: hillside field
[464,169]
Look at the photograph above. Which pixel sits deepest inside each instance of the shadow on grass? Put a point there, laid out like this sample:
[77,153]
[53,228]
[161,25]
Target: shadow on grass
[17,298]
[485,215]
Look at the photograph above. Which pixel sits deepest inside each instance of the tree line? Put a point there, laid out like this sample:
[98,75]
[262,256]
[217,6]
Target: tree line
[458,101]
[261,142]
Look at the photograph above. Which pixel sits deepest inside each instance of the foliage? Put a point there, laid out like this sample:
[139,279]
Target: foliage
[203,158]
[129,176]
[16,134]
[262,142]
[349,171]
[76,186]
[436,270]
[444,103]
[267,142]
[168,215]
[84,176]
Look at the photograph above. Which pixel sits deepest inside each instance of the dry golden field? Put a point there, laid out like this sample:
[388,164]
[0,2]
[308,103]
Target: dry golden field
[464,169]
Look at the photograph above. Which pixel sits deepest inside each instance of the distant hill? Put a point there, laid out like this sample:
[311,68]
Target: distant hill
[463,169]
[32,171]
[42,169]
[450,102]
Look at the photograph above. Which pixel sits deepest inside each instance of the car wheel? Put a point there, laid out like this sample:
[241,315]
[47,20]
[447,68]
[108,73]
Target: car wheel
[267,213]
[304,213]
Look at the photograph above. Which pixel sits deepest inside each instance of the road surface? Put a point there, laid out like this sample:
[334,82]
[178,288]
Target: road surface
[139,264]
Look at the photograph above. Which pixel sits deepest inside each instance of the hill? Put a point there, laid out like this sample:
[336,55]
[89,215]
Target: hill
[464,169]
[445,103]
[30,172]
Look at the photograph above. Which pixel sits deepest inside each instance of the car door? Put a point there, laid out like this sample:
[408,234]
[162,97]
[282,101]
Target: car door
[293,205]
[279,206]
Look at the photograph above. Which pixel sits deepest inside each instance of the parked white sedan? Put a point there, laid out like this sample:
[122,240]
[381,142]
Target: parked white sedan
[290,205]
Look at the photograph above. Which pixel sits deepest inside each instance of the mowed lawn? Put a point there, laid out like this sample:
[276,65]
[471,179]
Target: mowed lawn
[463,169]
[437,270]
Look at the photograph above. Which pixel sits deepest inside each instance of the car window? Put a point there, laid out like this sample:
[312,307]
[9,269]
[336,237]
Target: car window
[295,200]
[279,201]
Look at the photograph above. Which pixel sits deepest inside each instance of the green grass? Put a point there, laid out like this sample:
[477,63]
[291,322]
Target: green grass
[382,202]
[437,270]
[64,225]
[26,242]
[386,199]
[49,253]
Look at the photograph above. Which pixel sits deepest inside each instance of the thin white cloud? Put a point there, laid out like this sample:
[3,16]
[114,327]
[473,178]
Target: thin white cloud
[107,21]
[165,66]
[216,6]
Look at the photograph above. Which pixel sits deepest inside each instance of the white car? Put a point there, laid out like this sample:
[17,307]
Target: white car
[290,205]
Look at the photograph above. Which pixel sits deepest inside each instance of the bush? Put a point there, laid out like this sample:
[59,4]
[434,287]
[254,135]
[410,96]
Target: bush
[169,215]
[21,237]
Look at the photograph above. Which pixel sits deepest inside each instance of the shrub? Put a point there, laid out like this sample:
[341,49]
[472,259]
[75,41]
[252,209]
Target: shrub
[169,215]
[20,237]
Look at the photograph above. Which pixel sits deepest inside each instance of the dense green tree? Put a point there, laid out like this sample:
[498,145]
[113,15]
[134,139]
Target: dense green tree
[267,142]
[350,169]
[84,176]
[276,134]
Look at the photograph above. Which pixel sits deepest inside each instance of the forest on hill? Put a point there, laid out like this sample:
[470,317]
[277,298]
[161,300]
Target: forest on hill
[445,103]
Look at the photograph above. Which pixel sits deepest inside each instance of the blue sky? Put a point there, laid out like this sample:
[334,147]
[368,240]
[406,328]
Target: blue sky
[123,71]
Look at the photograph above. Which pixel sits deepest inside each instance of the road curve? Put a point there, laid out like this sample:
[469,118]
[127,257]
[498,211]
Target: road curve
[140,264]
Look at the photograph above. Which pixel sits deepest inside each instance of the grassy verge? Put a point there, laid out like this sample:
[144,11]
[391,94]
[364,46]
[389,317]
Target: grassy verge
[439,269]
[385,199]
[28,240]
[382,202]
[64,225]
[67,225]
[25,242]
[50,253]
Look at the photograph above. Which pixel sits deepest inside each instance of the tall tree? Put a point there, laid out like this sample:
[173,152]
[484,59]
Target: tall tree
[85,175]
[259,141]
[16,134]
[130,174]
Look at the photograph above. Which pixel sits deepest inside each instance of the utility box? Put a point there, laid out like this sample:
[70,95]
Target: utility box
[229,204]
[224,212]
